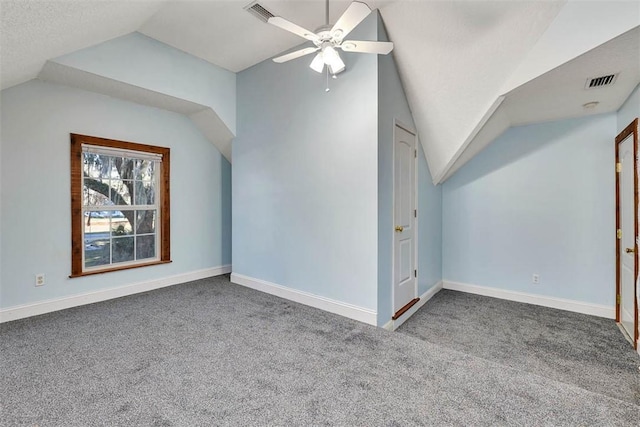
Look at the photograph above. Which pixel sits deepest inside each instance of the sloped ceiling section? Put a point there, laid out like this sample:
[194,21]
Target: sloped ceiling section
[561,93]
[579,27]
[586,40]
[454,70]
[454,57]
[148,63]
[472,56]
[34,31]
[203,116]
[146,71]
[466,66]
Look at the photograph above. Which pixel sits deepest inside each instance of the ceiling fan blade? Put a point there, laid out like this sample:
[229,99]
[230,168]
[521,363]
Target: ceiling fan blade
[296,54]
[355,14]
[317,64]
[381,48]
[279,21]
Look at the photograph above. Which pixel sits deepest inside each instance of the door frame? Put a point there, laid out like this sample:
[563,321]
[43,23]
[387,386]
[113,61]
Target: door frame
[630,130]
[398,124]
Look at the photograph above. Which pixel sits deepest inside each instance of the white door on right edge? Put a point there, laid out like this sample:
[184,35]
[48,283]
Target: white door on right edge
[404,194]
[628,240]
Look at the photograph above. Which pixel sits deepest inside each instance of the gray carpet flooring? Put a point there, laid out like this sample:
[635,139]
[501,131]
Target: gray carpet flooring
[212,353]
[589,352]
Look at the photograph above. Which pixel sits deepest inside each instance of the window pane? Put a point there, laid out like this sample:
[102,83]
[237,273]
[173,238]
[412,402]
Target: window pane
[96,192]
[145,247]
[122,249]
[96,165]
[121,188]
[144,169]
[96,224]
[145,221]
[117,165]
[145,192]
[96,252]
[127,168]
[120,225]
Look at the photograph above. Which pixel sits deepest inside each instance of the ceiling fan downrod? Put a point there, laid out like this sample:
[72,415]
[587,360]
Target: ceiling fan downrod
[327,13]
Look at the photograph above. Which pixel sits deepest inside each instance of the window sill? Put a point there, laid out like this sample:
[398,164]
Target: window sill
[126,267]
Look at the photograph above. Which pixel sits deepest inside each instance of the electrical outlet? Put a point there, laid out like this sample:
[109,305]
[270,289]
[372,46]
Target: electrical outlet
[535,279]
[40,279]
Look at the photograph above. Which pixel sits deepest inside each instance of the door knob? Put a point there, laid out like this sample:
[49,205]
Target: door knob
[399,228]
[630,250]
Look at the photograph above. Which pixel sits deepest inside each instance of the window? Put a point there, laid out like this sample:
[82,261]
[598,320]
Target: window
[119,205]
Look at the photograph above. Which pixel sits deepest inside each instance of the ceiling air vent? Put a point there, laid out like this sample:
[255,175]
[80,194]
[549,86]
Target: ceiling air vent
[600,81]
[259,11]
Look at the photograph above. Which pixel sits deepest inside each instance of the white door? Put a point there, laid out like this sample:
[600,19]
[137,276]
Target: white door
[628,239]
[404,195]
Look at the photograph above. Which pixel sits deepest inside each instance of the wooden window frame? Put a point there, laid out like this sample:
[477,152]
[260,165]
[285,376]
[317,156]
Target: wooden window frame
[77,220]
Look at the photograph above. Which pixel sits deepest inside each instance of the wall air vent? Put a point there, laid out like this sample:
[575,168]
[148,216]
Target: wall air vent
[595,82]
[259,11]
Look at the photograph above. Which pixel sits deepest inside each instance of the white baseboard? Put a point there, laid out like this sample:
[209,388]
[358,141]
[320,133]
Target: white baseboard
[42,307]
[392,325]
[599,310]
[351,311]
[388,326]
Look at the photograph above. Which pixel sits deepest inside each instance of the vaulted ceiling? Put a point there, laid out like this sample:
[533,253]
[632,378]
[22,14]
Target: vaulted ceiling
[470,69]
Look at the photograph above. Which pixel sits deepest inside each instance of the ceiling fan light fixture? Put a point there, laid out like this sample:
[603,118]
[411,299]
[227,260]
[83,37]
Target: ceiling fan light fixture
[332,59]
[336,70]
[317,64]
[333,71]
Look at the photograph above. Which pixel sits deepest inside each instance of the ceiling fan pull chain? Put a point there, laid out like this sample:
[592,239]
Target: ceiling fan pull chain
[327,89]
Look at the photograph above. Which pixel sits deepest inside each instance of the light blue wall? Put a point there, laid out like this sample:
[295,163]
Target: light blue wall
[392,104]
[630,110]
[540,199]
[35,226]
[429,227]
[145,62]
[305,177]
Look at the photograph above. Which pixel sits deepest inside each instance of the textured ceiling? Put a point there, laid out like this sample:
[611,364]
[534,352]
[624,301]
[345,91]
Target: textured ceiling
[458,59]
[31,32]
[454,57]
[223,33]
[561,92]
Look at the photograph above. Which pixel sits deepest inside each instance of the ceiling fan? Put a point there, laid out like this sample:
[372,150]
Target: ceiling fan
[328,38]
